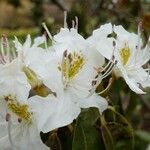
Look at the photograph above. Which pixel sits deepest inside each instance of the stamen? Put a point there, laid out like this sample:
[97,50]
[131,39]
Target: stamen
[111,59]
[8,119]
[45,34]
[139,42]
[47,31]
[65,19]
[76,21]
[109,67]
[62,66]
[73,24]
[139,34]
[71,64]
[108,86]
[109,70]
[7,48]
[148,70]
[67,71]
[2,58]
[6,56]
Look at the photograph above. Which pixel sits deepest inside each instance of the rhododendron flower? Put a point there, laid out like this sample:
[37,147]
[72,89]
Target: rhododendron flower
[131,57]
[70,74]
[128,52]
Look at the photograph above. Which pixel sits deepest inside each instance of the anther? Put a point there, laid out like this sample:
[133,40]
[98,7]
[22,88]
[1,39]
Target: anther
[19,120]
[65,53]
[114,43]
[70,58]
[8,116]
[94,82]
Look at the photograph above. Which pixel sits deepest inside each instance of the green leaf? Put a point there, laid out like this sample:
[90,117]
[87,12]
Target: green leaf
[106,135]
[122,132]
[86,135]
[65,136]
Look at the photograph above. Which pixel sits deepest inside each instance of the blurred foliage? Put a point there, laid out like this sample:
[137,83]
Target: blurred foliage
[20,33]
[127,126]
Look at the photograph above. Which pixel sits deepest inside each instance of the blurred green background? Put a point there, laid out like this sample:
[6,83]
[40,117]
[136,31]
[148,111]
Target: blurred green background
[22,17]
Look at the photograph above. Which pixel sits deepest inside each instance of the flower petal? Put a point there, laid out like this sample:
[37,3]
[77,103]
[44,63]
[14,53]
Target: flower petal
[56,112]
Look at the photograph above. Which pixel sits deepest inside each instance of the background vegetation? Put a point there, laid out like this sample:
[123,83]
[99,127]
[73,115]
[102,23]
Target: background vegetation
[123,129]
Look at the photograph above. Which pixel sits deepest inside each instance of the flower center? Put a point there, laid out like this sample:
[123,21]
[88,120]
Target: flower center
[20,110]
[72,64]
[125,53]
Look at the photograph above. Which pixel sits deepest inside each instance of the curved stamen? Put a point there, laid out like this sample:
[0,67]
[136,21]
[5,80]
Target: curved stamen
[73,24]
[139,42]
[47,31]
[6,54]
[65,19]
[108,86]
[111,59]
[8,119]
[108,68]
[76,21]
[148,71]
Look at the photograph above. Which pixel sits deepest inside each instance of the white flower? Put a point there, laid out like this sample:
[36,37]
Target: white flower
[12,79]
[33,58]
[56,111]
[70,73]
[18,126]
[30,53]
[126,50]
[131,57]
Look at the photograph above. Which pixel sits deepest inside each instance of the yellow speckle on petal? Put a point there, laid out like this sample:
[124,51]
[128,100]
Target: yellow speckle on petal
[125,53]
[76,62]
[20,110]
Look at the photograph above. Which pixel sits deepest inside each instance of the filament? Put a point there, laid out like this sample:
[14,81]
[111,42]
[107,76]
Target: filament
[8,119]
[139,35]
[76,21]
[47,31]
[65,19]
[73,24]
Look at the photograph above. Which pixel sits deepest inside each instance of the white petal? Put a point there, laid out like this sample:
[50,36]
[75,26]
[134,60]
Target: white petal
[39,40]
[94,101]
[18,45]
[101,42]
[56,112]
[141,76]
[27,43]
[130,81]
[29,138]
[14,82]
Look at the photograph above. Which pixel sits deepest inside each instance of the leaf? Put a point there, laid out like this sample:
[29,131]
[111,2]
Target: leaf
[65,136]
[86,136]
[121,131]
[133,102]
[106,135]
[53,141]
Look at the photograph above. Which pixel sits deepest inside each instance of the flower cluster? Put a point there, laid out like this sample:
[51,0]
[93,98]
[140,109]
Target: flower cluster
[45,87]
